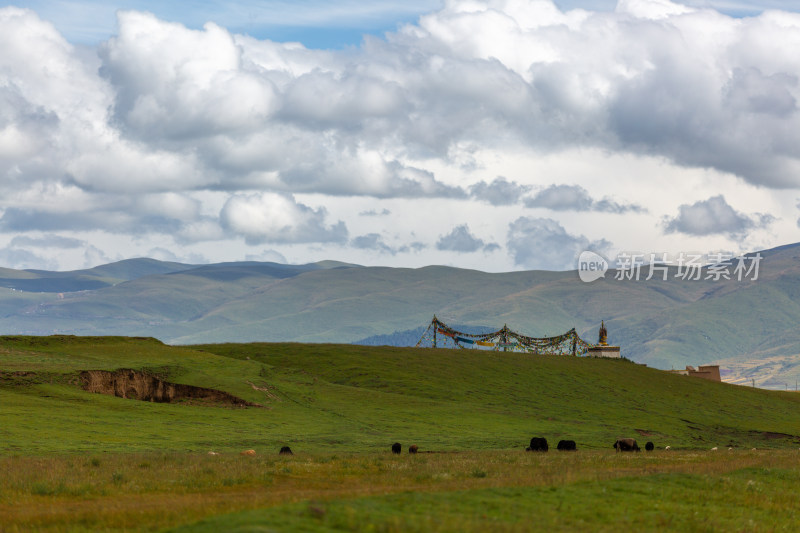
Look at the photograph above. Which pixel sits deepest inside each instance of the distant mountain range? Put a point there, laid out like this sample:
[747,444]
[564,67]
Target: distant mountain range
[749,326]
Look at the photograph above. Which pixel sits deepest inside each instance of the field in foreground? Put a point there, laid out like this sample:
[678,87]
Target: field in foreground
[71,460]
[467,491]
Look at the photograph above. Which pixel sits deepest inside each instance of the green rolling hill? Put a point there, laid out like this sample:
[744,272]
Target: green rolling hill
[44,281]
[318,397]
[666,324]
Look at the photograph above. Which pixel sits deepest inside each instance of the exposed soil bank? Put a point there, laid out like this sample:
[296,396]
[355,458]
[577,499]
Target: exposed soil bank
[138,385]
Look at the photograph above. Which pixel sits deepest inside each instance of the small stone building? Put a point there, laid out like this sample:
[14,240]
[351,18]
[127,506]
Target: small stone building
[710,372]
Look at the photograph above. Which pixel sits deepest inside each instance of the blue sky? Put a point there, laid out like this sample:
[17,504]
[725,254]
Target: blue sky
[315,23]
[497,135]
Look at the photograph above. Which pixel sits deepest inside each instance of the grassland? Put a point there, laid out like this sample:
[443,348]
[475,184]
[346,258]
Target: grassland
[73,461]
[466,491]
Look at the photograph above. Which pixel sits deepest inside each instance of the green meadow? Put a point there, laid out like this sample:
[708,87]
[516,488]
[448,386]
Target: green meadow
[71,460]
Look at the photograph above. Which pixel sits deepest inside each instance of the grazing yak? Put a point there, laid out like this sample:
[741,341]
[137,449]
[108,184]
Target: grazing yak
[567,446]
[649,446]
[285,451]
[538,444]
[413,448]
[626,445]
[396,448]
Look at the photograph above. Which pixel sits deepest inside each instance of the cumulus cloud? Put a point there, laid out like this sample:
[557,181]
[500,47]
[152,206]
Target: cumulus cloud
[714,216]
[137,214]
[414,247]
[207,108]
[25,128]
[749,89]
[798,220]
[161,113]
[576,198]
[278,218]
[543,243]
[372,241]
[362,173]
[562,198]
[93,256]
[375,213]
[376,243]
[43,252]
[44,219]
[462,241]
[498,192]
[178,83]
[20,258]
[47,241]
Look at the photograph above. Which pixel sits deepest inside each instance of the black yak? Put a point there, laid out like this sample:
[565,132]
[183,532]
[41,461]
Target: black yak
[626,445]
[539,444]
[396,448]
[285,451]
[567,445]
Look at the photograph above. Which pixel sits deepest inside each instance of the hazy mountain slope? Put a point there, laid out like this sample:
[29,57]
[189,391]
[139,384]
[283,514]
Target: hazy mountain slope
[129,269]
[348,304]
[163,305]
[665,324]
[87,279]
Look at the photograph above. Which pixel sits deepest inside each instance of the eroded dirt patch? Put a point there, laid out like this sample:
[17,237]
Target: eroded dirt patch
[771,435]
[144,386]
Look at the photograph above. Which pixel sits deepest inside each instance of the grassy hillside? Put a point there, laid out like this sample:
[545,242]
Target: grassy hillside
[73,460]
[45,281]
[363,398]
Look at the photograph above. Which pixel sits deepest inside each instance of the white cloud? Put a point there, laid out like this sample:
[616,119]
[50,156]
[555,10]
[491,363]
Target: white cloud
[278,218]
[372,241]
[375,213]
[45,251]
[651,9]
[543,243]
[461,240]
[20,258]
[562,198]
[712,216]
[498,192]
[175,83]
[93,256]
[55,208]
[576,198]
[193,135]
[345,100]
[690,87]
[46,241]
